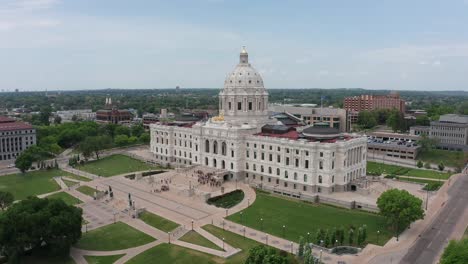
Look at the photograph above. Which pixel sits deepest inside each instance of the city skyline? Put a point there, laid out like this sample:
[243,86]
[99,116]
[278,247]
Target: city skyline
[69,45]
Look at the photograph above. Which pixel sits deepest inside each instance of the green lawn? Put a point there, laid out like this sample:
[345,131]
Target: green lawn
[197,239]
[449,158]
[31,183]
[380,168]
[300,217]
[158,222]
[173,254]
[113,237]
[238,241]
[103,259]
[86,190]
[227,200]
[114,165]
[77,177]
[69,183]
[67,198]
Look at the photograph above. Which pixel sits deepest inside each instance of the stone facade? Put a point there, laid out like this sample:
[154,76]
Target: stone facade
[232,142]
[15,137]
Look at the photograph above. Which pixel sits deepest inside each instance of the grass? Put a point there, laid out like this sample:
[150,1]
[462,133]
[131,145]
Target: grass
[227,200]
[197,239]
[103,259]
[300,217]
[67,198]
[79,178]
[173,254]
[69,183]
[31,183]
[380,168]
[449,158]
[113,237]
[158,222]
[238,241]
[114,165]
[86,190]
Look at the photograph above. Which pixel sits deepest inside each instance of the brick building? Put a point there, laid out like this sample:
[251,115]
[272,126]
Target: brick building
[356,104]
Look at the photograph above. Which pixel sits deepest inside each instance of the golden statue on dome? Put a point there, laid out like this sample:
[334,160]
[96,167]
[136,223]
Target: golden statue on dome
[219,117]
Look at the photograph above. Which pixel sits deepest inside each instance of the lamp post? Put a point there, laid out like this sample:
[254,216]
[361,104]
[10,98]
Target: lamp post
[292,248]
[226,212]
[378,233]
[321,255]
[244,232]
[266,238]
[248,202]
[192,224]
[261,224]
[223,224]
[336,242]
[284,228]
[223,243]
[308,234]
[241,217]
[427,197]
[169,236]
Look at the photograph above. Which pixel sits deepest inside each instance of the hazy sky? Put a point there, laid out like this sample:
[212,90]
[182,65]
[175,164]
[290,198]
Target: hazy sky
[375,44]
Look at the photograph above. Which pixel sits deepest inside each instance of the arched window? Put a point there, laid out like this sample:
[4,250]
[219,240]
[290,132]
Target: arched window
[333,179]
[223,148]
[246,166]
[214,163]
[286,174]
[295,176]
[305,177]
[320,178]
[215,147]
[207,146]
[206,161]
[278,171]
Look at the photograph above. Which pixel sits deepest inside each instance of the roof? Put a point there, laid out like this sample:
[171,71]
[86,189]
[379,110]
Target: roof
[454,118]
[12,126]
[321,130]
[4,119]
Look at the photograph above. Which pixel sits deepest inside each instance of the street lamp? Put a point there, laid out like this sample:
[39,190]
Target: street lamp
[284,228]
[248,202]
[226,212]
[292,249]
[321,255]
[336,242]
[427,197]
[169,236]
[241,216]
[378,233]
[223,243]
[261,224]
[223,224]
[192,224]
[244,232]
[308,234]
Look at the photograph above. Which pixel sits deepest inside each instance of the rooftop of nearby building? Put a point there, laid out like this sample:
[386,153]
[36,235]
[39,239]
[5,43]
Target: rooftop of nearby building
[454,118]
[9,124]
[317,133]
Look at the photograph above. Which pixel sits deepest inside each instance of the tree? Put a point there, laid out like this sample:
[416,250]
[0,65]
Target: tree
[137,130]
[121,140]
[342,235]
[359,236]
[94,145]
[427,143]
[145,138]
[122,130]
[24,161]
[300,251]
[57,120]
[420,164]
[396,121]
[366,119]
[74,118]
[109,129]
[263,255]
[423,120]
[456,252]
[400,208]
[44,115]
[6,199]
[350,236]
[427,165]
[441,166]
[48,222]
[307,254]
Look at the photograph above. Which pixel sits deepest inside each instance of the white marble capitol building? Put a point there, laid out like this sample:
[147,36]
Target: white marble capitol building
[249,143]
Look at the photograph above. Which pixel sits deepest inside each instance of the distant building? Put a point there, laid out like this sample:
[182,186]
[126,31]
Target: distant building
[420,130]
[310,115]
[82,114]
[451,131]
[15,137]
[356,104]
[111,114]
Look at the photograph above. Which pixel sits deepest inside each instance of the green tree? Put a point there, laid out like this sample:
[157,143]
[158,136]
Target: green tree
[427,143]
[44,115]
[300,251]
[6,199]
[400,208]
[342,235]
[138,130]
[145,138]
[94,145]
[43,222]
[121,140]
[263,255]
[441,166]
[366,119]
[57,120]
[427,165]
[420,164]
[456,252]
[351,236]
[396,121]
[122,130]
[24,161]
[423,120]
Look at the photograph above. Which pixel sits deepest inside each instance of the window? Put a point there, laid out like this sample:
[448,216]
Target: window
[320,178]
[287,161]
[321,165]
[246,166]
[305,177]
[321,154]
[297,162]
[278,158]
[306,165]
[277,181]
[295,176]
[304,188]
[286,174]
[278,171]
[333,179]
[333,164]
[250,106]
[230,107]
[319,189]
[239,106]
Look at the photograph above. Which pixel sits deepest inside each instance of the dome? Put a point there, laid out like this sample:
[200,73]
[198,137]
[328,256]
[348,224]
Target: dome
[244,75]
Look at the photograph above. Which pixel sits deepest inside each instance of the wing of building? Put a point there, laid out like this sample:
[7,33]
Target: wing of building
[248,144]
[15,137]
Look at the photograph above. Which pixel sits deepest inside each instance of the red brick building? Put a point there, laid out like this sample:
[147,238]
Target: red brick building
[112,114]
[374,102]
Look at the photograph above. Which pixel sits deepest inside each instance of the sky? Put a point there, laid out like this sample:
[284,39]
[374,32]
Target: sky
[97,44]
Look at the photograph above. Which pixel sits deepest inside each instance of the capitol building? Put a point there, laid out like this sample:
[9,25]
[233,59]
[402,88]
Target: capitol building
[248,143]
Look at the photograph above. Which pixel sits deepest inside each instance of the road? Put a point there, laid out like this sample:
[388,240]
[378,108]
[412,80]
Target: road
[434,239]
